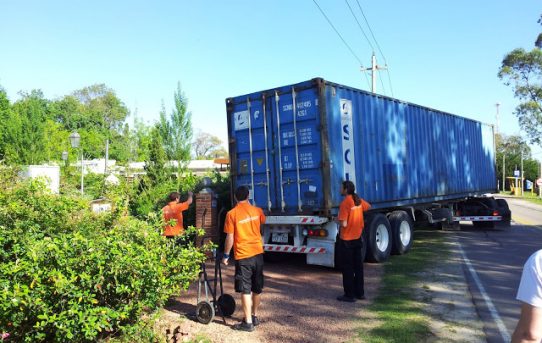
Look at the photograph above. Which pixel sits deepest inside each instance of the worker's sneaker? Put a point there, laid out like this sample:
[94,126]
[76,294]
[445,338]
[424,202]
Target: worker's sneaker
[346,299]
[255,320]
[243,326]
[360,297]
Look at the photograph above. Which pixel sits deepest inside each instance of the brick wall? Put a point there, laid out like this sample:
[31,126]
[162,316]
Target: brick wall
[206,212]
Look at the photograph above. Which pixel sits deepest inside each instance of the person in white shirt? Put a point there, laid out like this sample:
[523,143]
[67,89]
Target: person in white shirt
[529,327]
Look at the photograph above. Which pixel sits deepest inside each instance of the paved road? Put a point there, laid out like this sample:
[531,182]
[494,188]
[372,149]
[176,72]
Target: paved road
[494,260]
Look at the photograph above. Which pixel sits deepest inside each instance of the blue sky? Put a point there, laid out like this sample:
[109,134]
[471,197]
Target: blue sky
[441,54]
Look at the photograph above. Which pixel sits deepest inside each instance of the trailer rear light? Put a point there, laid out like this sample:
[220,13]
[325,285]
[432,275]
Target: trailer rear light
[495,213]
[315,232]
[458,213]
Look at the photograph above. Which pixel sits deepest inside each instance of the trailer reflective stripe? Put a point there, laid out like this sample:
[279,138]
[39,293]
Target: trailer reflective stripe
[477,219]
[293,249]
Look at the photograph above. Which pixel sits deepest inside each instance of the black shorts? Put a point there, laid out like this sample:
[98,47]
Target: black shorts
[249,275]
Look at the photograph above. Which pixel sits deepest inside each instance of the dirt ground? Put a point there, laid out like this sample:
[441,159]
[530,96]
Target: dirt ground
[298,305]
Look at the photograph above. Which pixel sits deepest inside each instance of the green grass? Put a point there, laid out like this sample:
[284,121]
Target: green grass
[399,315]
[531,198]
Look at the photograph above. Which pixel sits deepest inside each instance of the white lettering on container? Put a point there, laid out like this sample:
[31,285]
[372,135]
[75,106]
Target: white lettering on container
[347,134]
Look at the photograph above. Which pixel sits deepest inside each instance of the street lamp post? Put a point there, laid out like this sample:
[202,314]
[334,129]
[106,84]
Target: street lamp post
[75,140]
[65,158]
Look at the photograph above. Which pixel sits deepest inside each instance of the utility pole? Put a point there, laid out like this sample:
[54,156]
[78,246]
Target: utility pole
[522,182]
[503,172]
[106,154]
[374,68]
[497,117]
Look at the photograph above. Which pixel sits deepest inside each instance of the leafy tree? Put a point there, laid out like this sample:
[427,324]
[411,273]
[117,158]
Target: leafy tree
[523,71]
[57,140]
[103,109]
[165,130]
[68,112]
[98,115]
[5,108]
[24,135]
[513,148]
[142,140]
[206,145]
[121,144]
[154,165]
[176,131]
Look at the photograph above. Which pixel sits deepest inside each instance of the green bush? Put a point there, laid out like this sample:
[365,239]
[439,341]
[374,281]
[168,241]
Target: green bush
[67,274]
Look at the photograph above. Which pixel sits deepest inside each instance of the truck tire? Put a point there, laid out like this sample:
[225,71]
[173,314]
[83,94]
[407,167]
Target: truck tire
[378,238]
[504,210]
[401,232]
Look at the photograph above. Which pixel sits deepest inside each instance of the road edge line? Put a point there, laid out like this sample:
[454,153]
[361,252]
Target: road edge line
[492,310]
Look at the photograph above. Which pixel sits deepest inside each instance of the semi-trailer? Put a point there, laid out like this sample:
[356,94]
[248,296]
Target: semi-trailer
[293,145]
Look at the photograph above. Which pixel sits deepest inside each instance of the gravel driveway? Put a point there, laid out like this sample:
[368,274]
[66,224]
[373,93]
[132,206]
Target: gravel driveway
[298,305]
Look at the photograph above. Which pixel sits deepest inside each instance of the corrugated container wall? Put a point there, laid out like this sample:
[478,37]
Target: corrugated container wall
[293,145]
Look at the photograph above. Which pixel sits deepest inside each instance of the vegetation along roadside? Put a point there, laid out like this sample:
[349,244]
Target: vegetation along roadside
[412,291]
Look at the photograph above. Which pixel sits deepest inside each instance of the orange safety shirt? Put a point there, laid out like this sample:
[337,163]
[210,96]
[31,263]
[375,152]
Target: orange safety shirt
[244,221]
[354,218]
[174,211]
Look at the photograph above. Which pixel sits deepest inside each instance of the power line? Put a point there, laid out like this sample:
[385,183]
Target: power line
[382,83]
[377,45]
[366,38]
[341,37]
[359,25]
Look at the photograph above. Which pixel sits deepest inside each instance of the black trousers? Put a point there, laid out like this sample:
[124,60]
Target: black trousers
[349,253]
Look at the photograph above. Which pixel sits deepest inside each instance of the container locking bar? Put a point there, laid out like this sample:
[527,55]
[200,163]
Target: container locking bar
[282,203]
[299,203]
[266,153]
[250,148]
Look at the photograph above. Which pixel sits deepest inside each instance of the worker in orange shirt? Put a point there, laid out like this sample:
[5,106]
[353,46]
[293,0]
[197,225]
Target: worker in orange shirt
[173,211]
[242,228]
[351,242]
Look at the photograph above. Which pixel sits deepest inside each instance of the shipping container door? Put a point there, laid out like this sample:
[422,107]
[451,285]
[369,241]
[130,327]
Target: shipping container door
[253,145]
[297,150]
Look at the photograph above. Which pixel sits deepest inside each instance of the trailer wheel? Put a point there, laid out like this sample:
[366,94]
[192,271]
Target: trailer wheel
[226,304]
[205,312]
[378,238]
[401,230]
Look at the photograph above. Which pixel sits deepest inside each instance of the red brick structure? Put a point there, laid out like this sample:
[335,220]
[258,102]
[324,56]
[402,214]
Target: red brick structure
[206,214]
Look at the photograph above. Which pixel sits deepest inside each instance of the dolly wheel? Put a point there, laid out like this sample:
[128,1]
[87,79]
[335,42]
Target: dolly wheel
[226,304]
[205,312]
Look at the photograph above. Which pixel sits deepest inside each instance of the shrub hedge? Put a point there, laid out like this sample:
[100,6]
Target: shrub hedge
[67,274]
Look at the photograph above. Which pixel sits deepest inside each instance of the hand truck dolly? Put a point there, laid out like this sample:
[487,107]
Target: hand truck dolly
[208,306]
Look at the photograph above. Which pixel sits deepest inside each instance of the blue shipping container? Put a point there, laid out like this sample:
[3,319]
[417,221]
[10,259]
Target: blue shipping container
[293,145]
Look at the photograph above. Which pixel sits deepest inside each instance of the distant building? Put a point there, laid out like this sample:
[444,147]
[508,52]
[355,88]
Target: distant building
[95,166]
[198,167]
